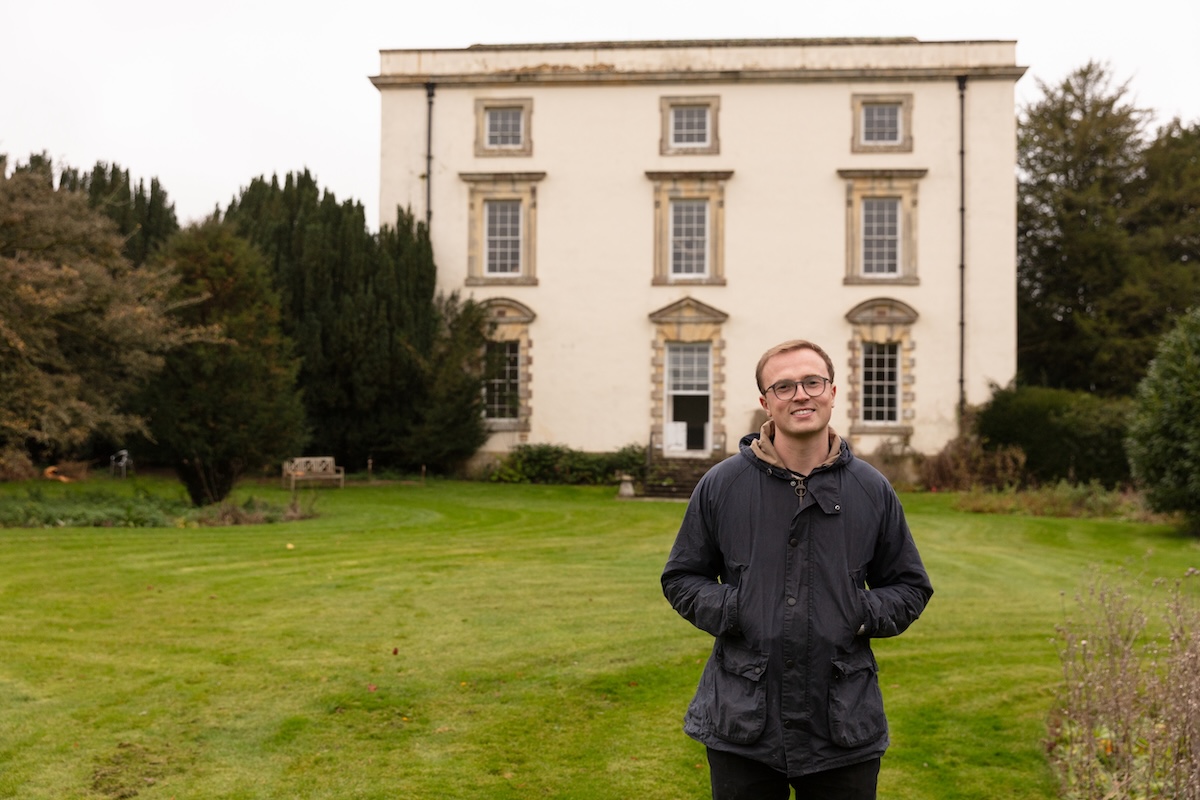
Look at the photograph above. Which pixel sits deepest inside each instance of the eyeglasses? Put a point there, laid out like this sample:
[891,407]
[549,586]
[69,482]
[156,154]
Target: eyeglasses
[813,385]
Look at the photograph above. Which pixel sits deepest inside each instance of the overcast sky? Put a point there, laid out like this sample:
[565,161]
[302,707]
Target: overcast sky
[207,96]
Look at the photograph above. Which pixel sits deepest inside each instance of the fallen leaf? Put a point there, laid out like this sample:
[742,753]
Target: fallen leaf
[371,687]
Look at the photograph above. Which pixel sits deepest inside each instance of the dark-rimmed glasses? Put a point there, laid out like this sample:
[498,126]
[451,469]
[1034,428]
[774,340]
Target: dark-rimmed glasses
[813,386]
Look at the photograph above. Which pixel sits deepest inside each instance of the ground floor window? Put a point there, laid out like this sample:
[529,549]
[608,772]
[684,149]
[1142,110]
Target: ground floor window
[689,393]
[880,381]
[502,381]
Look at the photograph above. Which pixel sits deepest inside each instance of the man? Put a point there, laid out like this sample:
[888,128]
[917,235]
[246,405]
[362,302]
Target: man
[794,554]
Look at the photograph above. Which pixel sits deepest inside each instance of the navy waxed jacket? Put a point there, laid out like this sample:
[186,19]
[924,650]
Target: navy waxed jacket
[794,576]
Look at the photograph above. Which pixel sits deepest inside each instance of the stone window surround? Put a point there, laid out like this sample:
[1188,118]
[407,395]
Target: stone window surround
[904,101]
[667,147]
[508,321]
[689,185]
[897,183]
[484,186]
[882,320]
[482,104]
[688,321]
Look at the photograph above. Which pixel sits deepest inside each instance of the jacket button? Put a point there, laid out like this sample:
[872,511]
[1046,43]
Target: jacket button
[791,601]
[787,723]
[793,541]
[790,663]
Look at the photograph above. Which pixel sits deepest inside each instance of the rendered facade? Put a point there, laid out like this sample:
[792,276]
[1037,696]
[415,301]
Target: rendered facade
[644,219]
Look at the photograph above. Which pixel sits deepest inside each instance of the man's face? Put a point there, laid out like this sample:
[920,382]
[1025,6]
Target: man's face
[801,416]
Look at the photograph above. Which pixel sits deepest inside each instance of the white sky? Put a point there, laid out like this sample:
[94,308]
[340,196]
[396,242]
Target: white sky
[208,96]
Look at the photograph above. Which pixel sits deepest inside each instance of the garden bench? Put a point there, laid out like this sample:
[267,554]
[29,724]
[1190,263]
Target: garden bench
[312,468]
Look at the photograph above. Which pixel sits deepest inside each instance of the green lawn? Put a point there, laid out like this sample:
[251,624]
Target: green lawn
[468,640]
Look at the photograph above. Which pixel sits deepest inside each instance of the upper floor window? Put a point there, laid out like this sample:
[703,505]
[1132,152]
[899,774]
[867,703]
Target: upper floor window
[502,227]
[502,127]
[689,238]
[689,126]
[505,127]
[881,225]
[880,235]
[689,223]
[502,243]
[882,123]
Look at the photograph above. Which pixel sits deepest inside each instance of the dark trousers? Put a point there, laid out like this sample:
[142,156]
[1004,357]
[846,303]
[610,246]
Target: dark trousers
[738,778]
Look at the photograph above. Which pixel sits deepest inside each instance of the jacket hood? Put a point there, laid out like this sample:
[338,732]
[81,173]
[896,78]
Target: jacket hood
[762,446]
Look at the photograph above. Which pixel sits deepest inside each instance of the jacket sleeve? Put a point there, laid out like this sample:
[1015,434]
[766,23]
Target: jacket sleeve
[691,580]
[899,585]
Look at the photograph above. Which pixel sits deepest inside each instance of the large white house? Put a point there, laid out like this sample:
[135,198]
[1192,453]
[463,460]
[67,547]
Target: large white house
[644,219]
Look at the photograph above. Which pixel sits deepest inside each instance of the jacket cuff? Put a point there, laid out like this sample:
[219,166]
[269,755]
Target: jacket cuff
[731,611]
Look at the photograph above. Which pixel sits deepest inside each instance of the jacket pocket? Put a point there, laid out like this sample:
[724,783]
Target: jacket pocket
[739,708]
[855,701]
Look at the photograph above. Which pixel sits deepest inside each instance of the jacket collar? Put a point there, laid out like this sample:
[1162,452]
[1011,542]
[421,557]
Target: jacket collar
[763,447]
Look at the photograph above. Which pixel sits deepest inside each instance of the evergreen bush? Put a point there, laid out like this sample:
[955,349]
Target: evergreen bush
[555,463]
[1065,435]
[1164,436]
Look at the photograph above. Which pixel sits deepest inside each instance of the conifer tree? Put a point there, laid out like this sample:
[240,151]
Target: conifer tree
[373,338]
[220,410]
[1078,154]
[1108,235]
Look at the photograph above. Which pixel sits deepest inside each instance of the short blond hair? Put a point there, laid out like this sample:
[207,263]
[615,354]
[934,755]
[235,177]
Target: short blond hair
[787,347]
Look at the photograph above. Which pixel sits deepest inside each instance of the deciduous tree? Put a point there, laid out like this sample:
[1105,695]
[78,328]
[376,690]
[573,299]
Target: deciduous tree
[81,328]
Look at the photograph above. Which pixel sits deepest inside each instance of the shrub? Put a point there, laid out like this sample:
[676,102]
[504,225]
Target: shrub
[1062,499]
[1164,436]
[15,465]
[1127,722]
[1068,435]
[90,507]
[553,463]
[964,463]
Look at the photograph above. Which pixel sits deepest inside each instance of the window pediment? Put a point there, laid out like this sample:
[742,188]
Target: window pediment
[688,310]
[504,310]
[882,311]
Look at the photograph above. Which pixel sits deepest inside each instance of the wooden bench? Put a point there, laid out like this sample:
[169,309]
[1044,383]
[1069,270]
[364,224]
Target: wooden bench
[312,468]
